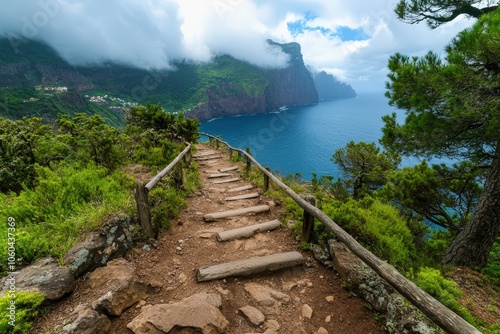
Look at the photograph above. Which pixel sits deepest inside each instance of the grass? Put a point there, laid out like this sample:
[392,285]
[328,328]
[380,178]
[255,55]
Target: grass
[67,203]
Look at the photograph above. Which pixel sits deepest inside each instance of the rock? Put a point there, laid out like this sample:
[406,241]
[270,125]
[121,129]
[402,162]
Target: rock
[322,330]
[110,242]
[328,319]
[44,276]
[87,321]
[196,314]
[182,278]
[307,311]
[265,296]
[330,299]
[320,253]
[288,286]
[253,315]
[223,291]
[116,287]
[272,325]
[398,315]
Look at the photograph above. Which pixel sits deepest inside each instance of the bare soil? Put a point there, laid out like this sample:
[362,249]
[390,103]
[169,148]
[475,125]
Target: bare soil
[170,270]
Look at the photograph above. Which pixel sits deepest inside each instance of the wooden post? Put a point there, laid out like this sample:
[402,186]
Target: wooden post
[230,153]
[249,162]
[179,175]
[308,220]
[210,141]
[141,199]
[266,180]
[216,143]
[188,157]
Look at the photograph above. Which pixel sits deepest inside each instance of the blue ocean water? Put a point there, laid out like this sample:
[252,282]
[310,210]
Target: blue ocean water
[302,139]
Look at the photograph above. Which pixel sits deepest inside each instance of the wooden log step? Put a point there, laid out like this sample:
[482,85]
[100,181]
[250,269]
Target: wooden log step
[248,231]
[204,154]
[227,180]
[229,169]
[240,197]
[209,217]
[210,157]
[250,266]
[238,189]
[219,175]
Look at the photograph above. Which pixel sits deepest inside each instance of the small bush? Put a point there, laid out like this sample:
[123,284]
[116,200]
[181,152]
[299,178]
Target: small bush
[376,225]
[166,204]
[27,307]
[442,289]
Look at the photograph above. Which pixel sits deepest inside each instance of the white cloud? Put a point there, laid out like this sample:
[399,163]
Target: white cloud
[152,33]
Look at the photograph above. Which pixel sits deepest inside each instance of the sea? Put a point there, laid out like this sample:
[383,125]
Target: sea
[302,139]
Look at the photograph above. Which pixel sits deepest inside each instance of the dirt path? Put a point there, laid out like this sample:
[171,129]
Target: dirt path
[171,268]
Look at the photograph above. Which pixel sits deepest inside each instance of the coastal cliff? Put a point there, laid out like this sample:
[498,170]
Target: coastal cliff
[329,87]
[292,85]
[224,86]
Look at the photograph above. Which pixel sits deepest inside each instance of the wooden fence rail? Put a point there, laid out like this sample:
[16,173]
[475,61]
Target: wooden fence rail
[432,308]
[142,190]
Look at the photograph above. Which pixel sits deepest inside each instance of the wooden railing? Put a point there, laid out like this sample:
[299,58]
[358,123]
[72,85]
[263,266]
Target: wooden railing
[432,308]
[142,190]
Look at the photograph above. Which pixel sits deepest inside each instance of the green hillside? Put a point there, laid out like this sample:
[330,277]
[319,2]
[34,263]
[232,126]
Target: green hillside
[31,63]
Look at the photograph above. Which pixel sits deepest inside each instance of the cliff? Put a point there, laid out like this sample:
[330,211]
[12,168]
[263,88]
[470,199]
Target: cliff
[292,85]
[329,87]
[225,86]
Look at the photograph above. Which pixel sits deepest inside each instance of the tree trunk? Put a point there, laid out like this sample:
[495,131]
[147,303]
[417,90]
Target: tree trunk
[473,245]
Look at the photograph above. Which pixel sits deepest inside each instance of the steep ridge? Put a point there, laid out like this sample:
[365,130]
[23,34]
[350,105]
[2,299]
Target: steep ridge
[224,86]
[305,298]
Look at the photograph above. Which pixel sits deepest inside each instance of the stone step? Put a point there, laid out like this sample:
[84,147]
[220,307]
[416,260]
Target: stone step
[209,217]
[238,189]
[227,180]
[229,169]
[244,196]
[248,231]
[219,175]
[250,266]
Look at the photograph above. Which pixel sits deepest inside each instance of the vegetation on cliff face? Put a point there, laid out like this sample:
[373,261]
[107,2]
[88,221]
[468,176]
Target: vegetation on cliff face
[223,86]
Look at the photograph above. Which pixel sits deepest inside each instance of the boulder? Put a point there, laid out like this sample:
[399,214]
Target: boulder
[197,314]
[398,315]
[44,276]
[109,242]
[84,320]
[116,287]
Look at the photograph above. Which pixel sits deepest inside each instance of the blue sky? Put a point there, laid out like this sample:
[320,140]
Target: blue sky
[350,39]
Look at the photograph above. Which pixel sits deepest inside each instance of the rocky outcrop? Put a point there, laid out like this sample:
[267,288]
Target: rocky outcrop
[113,289]
[398,315]
[116,287]
[198,314]
[109,242]
[329,87]
[84,320]
[44,276]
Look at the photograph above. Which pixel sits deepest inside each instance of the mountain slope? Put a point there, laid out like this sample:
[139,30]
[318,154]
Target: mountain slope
[224,86]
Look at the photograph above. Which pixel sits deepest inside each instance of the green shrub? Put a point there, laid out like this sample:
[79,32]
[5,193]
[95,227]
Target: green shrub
[444,290]
[166,204]
[376,225]
[493,267]
[27,307]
